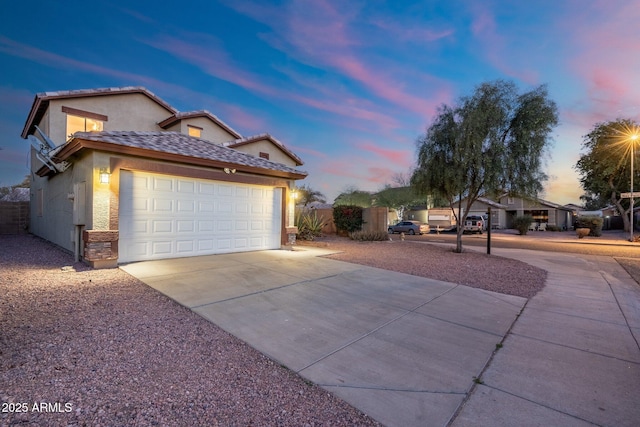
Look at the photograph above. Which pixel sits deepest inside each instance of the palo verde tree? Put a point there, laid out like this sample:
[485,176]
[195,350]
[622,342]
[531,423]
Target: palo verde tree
[605,166]
[397,198]
[307,195]
[490,142]
[354,197]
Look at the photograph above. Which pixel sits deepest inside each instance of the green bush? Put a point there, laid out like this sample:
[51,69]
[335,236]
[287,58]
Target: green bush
[348,218]
[370,236]
[593,223]
[522,223]
[582,232]
[309,225]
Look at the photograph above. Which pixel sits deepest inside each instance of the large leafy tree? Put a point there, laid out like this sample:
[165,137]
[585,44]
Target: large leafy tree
[487,143]
[604,168]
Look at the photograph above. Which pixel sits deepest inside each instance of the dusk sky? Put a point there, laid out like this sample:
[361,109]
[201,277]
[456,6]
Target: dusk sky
[347,85]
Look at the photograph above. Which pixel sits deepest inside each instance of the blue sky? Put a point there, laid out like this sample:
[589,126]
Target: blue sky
[348,86]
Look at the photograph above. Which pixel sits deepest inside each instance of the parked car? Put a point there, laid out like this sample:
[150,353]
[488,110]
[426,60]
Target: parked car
[474,224]
[409,227]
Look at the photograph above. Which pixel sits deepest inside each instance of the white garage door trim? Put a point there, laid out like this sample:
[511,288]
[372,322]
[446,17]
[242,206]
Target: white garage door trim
[164,216]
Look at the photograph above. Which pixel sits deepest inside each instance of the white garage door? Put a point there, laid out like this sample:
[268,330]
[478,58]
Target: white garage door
[163,216]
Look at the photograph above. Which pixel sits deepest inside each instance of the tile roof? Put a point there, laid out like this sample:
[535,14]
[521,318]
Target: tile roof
[180,144]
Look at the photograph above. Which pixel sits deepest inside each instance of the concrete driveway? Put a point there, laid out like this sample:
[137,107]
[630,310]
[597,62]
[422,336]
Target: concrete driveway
[403,349]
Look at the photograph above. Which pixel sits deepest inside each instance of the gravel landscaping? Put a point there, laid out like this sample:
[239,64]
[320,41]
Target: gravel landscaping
[475,269]
[99,348]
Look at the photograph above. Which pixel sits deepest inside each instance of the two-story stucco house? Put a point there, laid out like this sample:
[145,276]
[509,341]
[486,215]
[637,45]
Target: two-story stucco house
[118,175]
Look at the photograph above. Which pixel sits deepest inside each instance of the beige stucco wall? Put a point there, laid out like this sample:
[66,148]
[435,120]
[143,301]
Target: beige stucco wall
[132,111]
[265,146]
[210,130]
[56,222]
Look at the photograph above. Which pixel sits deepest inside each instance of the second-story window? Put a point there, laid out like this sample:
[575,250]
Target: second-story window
[194,131]
[83,121]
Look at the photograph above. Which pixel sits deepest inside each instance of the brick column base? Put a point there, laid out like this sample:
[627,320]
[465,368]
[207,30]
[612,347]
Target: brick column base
[291,237]
[101,248]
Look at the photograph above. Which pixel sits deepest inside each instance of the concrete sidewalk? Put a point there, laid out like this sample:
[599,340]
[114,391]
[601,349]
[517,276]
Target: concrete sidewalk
[572,358]
[403,349]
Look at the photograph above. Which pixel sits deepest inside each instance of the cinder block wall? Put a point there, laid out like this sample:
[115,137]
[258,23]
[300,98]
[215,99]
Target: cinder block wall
[14,217]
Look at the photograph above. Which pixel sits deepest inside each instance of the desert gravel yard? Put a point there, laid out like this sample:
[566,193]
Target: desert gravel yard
[470,268]
[100,348]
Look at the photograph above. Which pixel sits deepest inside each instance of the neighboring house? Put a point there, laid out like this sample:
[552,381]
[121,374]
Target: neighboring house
[119,175]
[505,210]
[542,211]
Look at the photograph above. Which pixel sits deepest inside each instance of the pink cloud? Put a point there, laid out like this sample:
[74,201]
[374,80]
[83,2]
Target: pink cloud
[207,53]
[316,153]
[606,54]
[380,175]
[50,59]
[318,34]
[242,119]
[399,157]
[341,168]
[413,34]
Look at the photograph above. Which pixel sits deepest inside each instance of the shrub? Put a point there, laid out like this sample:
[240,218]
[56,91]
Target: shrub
[377,236]
[348,218]
[593,223]
[553,228]
[582,232]
[522,223]
[309,225]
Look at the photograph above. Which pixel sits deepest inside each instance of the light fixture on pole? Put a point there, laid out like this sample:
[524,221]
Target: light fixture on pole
[633,138]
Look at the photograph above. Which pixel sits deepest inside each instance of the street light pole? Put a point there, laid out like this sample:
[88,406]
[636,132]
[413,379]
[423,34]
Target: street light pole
[633,143]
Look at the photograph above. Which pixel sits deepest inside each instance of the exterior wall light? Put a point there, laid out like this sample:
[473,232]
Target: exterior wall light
[104,176]
[227,170]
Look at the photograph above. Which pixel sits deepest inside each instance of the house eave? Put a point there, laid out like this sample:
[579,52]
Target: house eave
[76,145]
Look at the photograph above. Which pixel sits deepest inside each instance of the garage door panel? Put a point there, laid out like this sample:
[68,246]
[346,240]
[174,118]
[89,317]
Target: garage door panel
[163,216]
[161,247]
[225,190]
[206,189]
[162,205]
[205,226]
[184,246]
[185,226]
[205,245]
[224,226]
[162,184]
[162,226]
[186,187]
[186,206]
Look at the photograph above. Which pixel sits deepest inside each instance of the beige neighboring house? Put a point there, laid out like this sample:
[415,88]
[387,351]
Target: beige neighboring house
[544,213]
[118,175]
[503,212]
